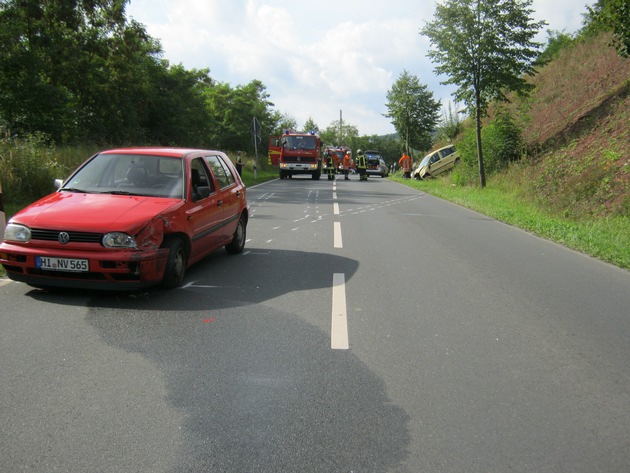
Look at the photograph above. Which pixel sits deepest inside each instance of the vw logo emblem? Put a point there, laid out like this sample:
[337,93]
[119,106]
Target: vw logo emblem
[63,238]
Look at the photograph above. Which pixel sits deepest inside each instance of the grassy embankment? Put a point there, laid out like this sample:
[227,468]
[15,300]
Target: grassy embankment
[606,238]
[572,184]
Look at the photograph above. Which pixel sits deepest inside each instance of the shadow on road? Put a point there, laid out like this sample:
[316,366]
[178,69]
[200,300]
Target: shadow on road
[258,386]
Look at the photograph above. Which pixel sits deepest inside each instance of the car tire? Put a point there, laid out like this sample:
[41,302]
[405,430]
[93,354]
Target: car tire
[238,241]
[176,264]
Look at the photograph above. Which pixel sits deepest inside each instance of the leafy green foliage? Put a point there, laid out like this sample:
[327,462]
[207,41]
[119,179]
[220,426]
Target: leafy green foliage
[28,168]
[414,112]
[613,16]
[556,42]
[502,144]
[80,72]
[485,47]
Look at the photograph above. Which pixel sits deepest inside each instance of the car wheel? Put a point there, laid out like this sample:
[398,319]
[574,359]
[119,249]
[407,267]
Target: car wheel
[238,241]
[175,264]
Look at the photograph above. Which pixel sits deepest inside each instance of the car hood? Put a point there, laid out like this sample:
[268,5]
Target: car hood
[99,213]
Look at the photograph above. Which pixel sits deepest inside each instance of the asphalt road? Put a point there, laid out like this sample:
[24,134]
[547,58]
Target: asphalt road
[367,327]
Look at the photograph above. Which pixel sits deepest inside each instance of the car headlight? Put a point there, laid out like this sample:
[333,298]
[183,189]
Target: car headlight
[118,240]
[17,233]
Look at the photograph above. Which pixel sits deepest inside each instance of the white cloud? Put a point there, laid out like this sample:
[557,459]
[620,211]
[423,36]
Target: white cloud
[315,58]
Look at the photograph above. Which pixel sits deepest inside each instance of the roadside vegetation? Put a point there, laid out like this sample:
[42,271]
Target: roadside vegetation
[557,161]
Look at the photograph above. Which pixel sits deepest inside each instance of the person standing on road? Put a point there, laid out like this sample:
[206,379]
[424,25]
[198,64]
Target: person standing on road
[330,166]
[405,164]
[346,165]
[361,166]
[239,164]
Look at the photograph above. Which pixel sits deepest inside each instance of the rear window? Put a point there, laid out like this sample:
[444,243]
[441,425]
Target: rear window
[221,171]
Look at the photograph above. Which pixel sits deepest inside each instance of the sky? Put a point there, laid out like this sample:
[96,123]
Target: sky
[320,59]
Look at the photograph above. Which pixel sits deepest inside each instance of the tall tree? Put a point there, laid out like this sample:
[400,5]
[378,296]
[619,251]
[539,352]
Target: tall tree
[485,47]
[413,111]
[231,111]
[52,56]
[614,16]
[310,125]
[339,133]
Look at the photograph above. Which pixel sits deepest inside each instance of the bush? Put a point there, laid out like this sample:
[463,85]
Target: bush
[501,142]
[27,168]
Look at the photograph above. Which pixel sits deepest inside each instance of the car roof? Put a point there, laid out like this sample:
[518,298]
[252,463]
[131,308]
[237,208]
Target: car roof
[160,151]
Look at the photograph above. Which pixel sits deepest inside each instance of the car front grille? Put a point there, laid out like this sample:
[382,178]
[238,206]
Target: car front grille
[74,237]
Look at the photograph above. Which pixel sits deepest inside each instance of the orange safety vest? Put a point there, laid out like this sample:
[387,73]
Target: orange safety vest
[346,161]
[405,162]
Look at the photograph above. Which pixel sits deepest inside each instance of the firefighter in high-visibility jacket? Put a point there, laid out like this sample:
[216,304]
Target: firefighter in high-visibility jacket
[361,166]
[347,161]
[405,164]
[329,165]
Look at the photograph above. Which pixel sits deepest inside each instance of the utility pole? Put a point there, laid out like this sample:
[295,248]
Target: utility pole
[257,139]
[340,127]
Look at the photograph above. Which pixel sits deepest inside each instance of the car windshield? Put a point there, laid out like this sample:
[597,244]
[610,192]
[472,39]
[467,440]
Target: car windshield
[300,142]
[425,161]
[129,174]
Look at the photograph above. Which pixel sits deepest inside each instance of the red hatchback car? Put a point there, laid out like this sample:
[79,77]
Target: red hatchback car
[129,218]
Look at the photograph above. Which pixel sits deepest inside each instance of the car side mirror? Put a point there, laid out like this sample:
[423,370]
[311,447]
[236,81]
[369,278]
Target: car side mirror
[58,183]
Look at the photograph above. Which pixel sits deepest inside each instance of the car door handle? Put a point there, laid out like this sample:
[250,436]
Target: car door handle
[219,203]
[238,193]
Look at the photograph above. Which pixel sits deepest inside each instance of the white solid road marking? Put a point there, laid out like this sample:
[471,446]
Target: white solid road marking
[337,233]
[339,323]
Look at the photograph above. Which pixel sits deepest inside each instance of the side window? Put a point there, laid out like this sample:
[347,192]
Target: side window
[221,171]
[435,158]
[445,152]
[202,185]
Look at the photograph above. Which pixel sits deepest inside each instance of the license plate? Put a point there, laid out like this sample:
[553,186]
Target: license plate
[62,264]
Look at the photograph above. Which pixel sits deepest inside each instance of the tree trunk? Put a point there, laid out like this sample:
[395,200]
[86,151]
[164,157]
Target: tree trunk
[482,174]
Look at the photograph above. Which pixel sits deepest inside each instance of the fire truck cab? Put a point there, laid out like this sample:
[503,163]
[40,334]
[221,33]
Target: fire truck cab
[300,153]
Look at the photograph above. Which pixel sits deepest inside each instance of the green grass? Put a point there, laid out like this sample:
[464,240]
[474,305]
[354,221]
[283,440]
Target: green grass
[263,174]
[605,238]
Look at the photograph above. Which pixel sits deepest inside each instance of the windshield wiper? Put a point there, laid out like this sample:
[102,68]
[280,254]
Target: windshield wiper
[74,189]
[120,193]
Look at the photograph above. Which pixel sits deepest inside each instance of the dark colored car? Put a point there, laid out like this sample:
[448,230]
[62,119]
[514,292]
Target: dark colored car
[129,218]
[376,164]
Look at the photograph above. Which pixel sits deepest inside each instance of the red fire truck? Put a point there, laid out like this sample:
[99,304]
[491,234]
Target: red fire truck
[297,153]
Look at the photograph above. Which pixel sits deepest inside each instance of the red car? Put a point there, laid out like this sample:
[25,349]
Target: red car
[129,218]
